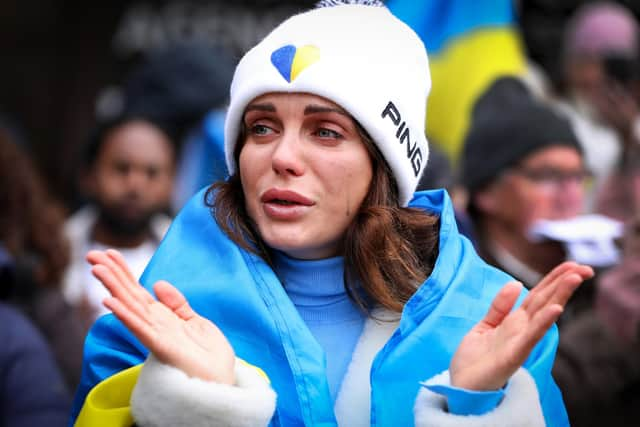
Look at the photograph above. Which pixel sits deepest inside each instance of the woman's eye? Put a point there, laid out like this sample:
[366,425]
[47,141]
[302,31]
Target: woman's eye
[328,133]
[260,130]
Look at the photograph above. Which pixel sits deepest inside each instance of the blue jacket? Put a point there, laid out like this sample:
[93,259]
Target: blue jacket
[244,298]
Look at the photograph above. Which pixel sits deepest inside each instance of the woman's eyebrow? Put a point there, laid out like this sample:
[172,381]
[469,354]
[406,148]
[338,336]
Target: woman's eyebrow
[261,107]
[312,109]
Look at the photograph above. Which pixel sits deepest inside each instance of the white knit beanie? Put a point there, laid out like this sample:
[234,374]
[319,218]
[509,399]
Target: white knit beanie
[360,57]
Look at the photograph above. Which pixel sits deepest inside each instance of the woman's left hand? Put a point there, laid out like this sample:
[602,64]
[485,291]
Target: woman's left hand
[500,343]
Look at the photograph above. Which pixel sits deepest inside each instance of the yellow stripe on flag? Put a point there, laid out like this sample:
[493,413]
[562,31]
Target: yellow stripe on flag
[460,73]
[107,404]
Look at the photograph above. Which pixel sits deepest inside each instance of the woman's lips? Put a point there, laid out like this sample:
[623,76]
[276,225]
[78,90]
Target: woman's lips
[285,204]
[286,196]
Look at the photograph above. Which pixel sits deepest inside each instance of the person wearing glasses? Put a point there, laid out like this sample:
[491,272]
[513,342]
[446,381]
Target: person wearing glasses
[521,163]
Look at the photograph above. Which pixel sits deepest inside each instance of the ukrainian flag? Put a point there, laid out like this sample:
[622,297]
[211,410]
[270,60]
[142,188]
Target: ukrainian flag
[470,43]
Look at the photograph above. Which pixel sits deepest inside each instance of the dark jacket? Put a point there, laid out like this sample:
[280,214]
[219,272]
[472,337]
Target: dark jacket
[32,392]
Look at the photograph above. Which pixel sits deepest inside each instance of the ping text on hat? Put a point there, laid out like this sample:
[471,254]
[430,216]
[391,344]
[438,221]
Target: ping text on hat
[402,134]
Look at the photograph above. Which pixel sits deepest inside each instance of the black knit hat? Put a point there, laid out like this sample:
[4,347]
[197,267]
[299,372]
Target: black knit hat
[507,125]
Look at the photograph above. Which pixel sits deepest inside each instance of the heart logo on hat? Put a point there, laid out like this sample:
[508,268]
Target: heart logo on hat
[291,61]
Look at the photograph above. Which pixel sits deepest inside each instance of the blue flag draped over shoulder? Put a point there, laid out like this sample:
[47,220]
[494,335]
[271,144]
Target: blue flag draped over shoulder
[470,43]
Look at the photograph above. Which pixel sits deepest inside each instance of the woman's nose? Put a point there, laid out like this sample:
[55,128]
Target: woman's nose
[287,157]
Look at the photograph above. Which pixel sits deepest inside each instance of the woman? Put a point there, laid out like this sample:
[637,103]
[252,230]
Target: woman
[316,273]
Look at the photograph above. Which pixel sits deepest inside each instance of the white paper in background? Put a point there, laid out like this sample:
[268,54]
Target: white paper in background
[588,239]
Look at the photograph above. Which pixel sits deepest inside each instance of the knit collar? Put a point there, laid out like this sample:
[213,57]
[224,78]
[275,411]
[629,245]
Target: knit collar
[309,282]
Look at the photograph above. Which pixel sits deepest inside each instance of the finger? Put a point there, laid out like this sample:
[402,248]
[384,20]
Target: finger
[561,289]
[585,271]
[94,256]
[119,291]
[547,280]
[173,298]
[540,324]
[117,257]
[533,333]
[557,292]
[551,280]
[141,329]
[131,286]
[565,289]
[102,258]
[122,269]
[502,304]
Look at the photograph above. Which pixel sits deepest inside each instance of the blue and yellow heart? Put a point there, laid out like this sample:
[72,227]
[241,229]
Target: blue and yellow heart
[291,61]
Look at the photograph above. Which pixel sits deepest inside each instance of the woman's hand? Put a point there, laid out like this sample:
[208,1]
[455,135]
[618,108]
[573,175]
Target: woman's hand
[500,343]
[168,327]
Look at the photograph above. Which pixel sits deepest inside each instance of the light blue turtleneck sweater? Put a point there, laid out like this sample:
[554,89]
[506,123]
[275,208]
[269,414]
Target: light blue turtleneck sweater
[316,288]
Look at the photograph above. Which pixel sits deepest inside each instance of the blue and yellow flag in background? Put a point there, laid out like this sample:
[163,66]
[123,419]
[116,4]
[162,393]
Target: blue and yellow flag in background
[470,43]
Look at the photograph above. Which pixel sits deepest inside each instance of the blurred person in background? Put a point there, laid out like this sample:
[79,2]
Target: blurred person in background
[600,88]
[536,172]
[521,163]
[128,179]
[33,255]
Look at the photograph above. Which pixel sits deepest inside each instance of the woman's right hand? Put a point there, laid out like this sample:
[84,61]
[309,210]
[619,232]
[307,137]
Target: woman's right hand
[168,327]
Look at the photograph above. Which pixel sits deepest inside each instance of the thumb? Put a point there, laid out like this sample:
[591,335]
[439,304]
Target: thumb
[173,298]
[502,304]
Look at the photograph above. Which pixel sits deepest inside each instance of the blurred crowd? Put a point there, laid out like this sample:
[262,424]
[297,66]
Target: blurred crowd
[549,171]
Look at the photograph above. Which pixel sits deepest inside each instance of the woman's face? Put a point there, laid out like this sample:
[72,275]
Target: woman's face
[305,172]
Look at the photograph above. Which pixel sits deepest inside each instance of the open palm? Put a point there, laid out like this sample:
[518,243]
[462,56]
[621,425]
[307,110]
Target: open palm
[500,343]
[168,327]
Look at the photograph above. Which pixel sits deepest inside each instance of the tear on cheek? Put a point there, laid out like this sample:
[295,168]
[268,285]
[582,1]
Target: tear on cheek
[348,177]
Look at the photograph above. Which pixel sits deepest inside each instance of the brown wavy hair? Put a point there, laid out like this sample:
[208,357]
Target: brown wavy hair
[388,250]
[31,223]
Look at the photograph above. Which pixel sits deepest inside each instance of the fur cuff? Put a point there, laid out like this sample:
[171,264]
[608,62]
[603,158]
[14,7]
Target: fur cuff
[166,396]
[519,408]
